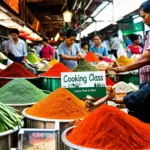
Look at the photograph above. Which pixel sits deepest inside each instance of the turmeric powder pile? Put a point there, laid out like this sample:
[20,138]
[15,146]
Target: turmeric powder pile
[123,61]
[61,104]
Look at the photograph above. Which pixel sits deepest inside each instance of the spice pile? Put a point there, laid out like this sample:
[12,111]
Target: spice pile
[102,66]
[33,58]
[90,57]
[20,91]
[123,61]
[107,60]
[110,128]
[84,66]
[55,71]
[109,82]
[61,104]
[2,56]
[16,70]
[122,87]
[9,118]
[53,62]
[2,67]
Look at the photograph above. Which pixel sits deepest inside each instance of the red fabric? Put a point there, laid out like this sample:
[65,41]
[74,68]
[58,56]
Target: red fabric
[135,50]
[48,52]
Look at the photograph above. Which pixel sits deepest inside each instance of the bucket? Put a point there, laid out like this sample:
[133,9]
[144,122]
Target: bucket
[50,84]
[70,145]
[8,139]
[5,80]
[36,122]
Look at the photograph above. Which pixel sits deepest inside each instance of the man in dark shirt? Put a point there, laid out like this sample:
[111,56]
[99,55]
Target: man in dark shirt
[138,103]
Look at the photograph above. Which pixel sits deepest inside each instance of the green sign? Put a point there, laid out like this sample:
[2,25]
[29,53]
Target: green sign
[82,84]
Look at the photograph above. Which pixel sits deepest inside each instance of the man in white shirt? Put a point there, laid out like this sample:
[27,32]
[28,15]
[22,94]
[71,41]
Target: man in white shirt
[115,44]
[16,48]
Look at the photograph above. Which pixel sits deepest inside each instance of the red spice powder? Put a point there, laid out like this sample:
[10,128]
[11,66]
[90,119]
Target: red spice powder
[56,70]
[107,60]
[109,82]
[110,128]
[90,57]
[16,70]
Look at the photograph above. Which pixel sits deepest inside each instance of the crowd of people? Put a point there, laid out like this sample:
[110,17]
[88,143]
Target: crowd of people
[70,54]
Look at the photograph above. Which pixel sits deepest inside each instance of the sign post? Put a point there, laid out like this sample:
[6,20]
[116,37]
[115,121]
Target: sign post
[82,84]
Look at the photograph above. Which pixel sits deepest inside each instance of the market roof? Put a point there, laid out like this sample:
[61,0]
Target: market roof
[49,12]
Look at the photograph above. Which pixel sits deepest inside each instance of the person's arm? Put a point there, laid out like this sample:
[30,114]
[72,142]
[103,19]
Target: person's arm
[135,100]
[142,61]
[108,97]
[24,52]
[66,57]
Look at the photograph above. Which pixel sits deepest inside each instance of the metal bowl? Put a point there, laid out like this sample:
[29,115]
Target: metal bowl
[36,122]
[9,139]
[70,145]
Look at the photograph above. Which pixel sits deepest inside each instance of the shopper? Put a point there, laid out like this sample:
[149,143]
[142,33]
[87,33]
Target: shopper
[38,48]
[115,44]
[128,41]
[84,47]
[47,51]
[135,48]
[145,57]
[68,51]
[137,102]
[16,48]
[97,49]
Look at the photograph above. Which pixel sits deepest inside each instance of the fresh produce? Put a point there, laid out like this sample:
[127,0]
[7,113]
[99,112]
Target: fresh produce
[9,118]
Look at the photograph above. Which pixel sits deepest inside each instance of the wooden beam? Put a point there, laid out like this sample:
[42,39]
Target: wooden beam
[52,22]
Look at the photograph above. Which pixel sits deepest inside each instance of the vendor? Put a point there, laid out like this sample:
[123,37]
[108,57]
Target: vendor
[145,57]
[16,48]
[69,52]
[97,49]
[137,102]
[47,51]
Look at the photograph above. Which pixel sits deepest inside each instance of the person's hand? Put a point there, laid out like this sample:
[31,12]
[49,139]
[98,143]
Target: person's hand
[111,94]
[99,55]
[78,58]
[118,69]
[81,55]
[23,61]
[89,105]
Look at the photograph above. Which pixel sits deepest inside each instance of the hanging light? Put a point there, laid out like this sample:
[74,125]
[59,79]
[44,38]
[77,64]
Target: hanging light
[67,15]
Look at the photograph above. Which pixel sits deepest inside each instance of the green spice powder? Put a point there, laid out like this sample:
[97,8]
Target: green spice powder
[20,91]
[84,66]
